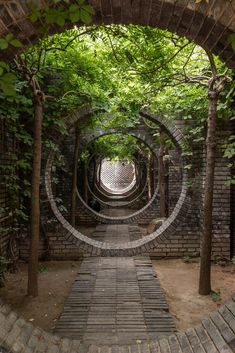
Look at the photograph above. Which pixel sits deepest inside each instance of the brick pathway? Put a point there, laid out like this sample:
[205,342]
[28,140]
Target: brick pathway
[116,300]
[115,212]
[122,293]
[215,334]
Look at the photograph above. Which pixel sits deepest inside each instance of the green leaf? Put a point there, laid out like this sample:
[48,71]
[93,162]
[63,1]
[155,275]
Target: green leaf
[4,65]
[85,16]
[74,8]
[8,89]
[89,9]
[7,85]
[216,295]
[16,43]
[3,43]
[230,182]
[231,40]
[74,13]
[9,37]
[60,21]
[9,78]
[35,15]
[74,17]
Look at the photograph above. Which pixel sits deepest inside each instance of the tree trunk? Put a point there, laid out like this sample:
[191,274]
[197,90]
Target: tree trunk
[99,176]
[140,180]
[85,182]
[205,265]
[35,196]
[161,181]
[95,174]
[150,176]
[74,180]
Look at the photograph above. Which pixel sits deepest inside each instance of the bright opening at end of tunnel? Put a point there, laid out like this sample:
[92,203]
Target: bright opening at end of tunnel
[117,177]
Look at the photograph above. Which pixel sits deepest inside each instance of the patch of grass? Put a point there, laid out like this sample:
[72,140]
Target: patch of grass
[216,295]
[42,268]
[192,258]
[186,259]
[233,260]
[222,261]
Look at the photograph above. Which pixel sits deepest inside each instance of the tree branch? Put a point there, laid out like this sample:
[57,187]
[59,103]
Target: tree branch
[79,35]
[212,63]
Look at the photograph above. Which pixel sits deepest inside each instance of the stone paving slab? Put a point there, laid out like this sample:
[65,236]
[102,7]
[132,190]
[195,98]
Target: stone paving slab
[123,303]
[117,306]
[116,300]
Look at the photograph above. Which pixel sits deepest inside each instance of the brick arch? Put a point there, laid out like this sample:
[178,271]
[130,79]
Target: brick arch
[215,334]
[106,204]
[208,25]
[148,141]
[130,194]
[144,245]
[87,139]
[126,203]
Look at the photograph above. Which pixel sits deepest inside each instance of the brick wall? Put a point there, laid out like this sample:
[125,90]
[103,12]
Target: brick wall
[7,147]
[186,238]
[233,217]
[185,241]
[53,246]
[232,188]
[174,178]
[221,199]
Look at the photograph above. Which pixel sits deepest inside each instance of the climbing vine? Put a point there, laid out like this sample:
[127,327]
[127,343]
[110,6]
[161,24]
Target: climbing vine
[118,69]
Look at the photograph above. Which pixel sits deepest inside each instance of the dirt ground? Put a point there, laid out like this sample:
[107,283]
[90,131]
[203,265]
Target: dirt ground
[180,282]
[55,281]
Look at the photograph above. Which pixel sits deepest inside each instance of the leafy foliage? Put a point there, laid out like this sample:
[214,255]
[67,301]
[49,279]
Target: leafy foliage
[78,11]
[117,147]
[117,69]
[7,77]
[216,295]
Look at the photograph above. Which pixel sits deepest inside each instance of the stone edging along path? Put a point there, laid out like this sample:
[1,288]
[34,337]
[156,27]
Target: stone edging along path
[144,245]
[215,334]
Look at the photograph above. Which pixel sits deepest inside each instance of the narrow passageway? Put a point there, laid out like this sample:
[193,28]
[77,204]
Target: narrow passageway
[114,212]
[116,148]
[116,300]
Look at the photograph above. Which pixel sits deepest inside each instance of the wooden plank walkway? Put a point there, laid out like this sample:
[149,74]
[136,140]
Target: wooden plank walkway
[115,300]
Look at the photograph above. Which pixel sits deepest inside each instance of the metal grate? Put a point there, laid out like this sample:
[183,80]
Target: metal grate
[117,176]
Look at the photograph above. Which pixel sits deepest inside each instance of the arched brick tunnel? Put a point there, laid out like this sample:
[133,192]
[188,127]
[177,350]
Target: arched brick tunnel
[142,136]
[126,249]
[208,25]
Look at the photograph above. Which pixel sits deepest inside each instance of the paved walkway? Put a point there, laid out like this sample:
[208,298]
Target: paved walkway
[116,300]
[116,212]
[117,306]
[215,334]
